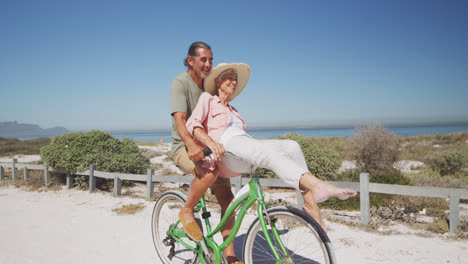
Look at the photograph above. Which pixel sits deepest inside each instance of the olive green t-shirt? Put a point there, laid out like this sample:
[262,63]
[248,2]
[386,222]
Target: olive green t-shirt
[184,97]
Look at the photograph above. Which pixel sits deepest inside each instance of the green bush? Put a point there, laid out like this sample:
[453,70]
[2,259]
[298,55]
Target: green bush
[375,148]
[322,162]
[450,162]
[77,151]
[376,199]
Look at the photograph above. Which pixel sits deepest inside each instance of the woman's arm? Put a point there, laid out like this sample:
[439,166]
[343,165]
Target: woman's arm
[196,128]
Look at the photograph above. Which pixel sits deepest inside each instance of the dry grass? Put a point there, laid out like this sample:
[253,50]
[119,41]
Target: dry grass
[13,146]
[151,144]
[429,146]
[35,181]
[381,224]
[129,209]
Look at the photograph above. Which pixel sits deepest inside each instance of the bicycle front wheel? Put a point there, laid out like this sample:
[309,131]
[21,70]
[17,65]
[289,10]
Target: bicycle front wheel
[302,240]
[165,215]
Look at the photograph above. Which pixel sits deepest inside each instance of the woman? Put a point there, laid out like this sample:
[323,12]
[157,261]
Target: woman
[216,124]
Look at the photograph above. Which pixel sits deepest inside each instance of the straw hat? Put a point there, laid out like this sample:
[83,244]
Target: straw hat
[243,74]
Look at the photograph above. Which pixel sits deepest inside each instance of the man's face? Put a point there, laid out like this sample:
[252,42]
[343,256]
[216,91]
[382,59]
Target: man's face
[202,62]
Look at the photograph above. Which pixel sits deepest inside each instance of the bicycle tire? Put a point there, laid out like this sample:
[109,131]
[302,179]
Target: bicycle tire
[303,237]
[165,214]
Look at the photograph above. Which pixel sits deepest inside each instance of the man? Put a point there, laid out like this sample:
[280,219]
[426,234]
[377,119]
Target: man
[185,91]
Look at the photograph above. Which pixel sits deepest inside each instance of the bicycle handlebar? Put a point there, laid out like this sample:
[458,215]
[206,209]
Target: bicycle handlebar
[207,151]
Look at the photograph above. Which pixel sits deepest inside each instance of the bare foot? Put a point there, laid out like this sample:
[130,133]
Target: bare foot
[324,190]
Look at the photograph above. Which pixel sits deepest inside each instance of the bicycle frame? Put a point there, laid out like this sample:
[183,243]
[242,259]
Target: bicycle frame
[244,200]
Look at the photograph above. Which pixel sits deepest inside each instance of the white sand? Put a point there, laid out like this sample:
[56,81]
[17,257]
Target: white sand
[21,158]
[74,227]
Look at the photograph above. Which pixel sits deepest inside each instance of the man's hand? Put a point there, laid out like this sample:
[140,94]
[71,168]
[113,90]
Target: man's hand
[195,152]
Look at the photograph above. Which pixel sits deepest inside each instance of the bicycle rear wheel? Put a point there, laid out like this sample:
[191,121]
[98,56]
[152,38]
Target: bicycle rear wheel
[303,239]
[165,215]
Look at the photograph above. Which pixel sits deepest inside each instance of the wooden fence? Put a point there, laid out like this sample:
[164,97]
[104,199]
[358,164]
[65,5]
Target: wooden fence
[364,187]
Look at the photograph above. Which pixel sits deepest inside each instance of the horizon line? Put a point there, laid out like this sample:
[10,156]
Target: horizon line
[280,127]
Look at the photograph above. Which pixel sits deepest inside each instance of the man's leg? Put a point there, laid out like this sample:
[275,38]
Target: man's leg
[204,179]
[222,190]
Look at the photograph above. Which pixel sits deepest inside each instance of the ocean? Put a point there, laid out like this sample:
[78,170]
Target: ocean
[165,136]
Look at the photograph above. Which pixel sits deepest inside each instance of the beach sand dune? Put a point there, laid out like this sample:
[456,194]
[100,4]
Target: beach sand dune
[74,227]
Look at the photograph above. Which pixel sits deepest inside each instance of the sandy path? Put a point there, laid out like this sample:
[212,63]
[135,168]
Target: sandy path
[75,227]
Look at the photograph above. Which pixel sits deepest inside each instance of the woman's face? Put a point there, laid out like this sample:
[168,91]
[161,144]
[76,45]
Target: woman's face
[228,83]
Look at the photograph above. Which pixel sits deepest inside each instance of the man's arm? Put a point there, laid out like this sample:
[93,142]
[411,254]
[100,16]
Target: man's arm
[195,152]
[216,148]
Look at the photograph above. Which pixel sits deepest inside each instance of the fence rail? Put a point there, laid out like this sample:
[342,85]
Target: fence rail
[364,187]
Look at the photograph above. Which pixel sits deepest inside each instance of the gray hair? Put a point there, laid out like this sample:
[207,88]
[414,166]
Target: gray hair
[192,52]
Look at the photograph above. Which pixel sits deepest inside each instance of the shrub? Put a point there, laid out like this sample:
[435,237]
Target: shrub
[77,151]
[450,162]
[322,162]
[389,177]
[376,199]
[375,148]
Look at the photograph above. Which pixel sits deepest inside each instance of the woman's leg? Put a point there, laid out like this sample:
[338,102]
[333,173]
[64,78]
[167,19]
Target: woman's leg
[286,159]
[203,180]
[322,190]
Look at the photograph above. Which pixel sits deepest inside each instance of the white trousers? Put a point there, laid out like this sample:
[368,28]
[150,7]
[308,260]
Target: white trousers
[284,157]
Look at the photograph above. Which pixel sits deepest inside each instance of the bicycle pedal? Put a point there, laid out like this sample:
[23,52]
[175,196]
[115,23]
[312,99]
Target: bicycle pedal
[168,241]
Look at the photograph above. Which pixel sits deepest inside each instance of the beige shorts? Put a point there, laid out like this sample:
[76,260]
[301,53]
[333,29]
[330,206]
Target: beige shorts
[184,163]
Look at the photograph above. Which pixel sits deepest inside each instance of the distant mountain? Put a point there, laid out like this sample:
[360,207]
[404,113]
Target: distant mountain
[28,131]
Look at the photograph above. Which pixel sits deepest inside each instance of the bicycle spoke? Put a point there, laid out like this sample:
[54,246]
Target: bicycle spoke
[300,242]
[165,215]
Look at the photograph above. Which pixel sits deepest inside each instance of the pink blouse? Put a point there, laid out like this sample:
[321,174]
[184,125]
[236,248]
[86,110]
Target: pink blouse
[213,117]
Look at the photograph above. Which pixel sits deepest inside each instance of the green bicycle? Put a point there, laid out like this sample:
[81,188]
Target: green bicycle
[281,234]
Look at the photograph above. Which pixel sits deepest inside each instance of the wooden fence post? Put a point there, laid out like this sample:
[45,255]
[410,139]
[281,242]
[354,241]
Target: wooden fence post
[69,180]
[117,185]
[149,183]
[454,218]
[13,170]
[92,179]
[46,175]
[2,173]
[365,200]
[26,173]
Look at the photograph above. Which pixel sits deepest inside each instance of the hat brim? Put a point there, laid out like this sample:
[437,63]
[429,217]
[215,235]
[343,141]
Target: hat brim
[243,75]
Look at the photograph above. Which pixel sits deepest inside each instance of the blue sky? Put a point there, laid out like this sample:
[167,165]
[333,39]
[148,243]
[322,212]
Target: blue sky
[109,65]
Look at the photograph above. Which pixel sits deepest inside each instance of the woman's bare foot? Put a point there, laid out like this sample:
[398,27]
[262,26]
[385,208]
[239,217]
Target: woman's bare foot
[323,190]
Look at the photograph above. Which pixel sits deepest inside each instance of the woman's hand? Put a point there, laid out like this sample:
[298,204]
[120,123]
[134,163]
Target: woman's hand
[217,149]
